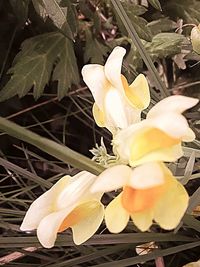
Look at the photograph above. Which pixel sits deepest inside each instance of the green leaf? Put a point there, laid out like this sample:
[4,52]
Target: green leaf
[156,4]
[162,45]
[72,17]
[162,25]
[33,66]
[94,50]
[165,44]
[58,14]
[140,24]
[61,72]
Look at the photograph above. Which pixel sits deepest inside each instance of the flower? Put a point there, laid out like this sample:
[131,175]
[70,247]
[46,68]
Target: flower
[150,192]
[67,204]
[195,38]
[159,136]
[117,104]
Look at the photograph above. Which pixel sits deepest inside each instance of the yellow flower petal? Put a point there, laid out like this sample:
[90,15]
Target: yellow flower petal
[176,103]
[143,220]
[138,92]
[43,205]
[171,207]
[150,140]
[87,227]
[137,200]
[112,179]
[99,116]
[116,217]
[167,154]
[113,67]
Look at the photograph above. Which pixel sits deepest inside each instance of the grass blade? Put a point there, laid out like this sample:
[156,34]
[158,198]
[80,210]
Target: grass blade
[59,151]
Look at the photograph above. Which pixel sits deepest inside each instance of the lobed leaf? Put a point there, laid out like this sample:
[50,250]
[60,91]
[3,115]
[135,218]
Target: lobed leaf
[33,66]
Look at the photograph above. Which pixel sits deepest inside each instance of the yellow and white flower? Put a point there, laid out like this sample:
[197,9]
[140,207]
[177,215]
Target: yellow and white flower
[150,192]
[68,204]
[159,136]
[117,104]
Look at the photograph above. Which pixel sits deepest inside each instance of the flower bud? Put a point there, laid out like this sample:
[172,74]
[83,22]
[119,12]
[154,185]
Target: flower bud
[195,39]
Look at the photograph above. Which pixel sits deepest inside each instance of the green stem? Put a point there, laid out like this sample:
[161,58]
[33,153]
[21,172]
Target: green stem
[59,151]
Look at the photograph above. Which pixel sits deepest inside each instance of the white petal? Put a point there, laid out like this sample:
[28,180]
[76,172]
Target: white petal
[94,77]
[113,67]
[87,227]
[146,176]
[43,205]
[133,115]
[112,179]
[176,103]
[114,108]
[116,217]
[189,136]
[173,124]
[76,190]
[49,226]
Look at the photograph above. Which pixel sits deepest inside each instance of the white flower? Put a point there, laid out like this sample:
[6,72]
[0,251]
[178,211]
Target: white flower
[68,203]
[117,104]
[159,136]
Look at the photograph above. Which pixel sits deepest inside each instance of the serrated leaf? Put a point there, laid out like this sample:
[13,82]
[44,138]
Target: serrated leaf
[71,15]
[58,14]
[61,72]
[165,44]
[134,11]
[156,4]
[94,50]
[161,25]
[32,67]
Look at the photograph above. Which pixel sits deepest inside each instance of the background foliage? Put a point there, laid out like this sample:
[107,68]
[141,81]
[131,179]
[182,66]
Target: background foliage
[43,46]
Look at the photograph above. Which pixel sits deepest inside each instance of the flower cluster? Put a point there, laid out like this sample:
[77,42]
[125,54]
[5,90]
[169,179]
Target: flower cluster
[148,190]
